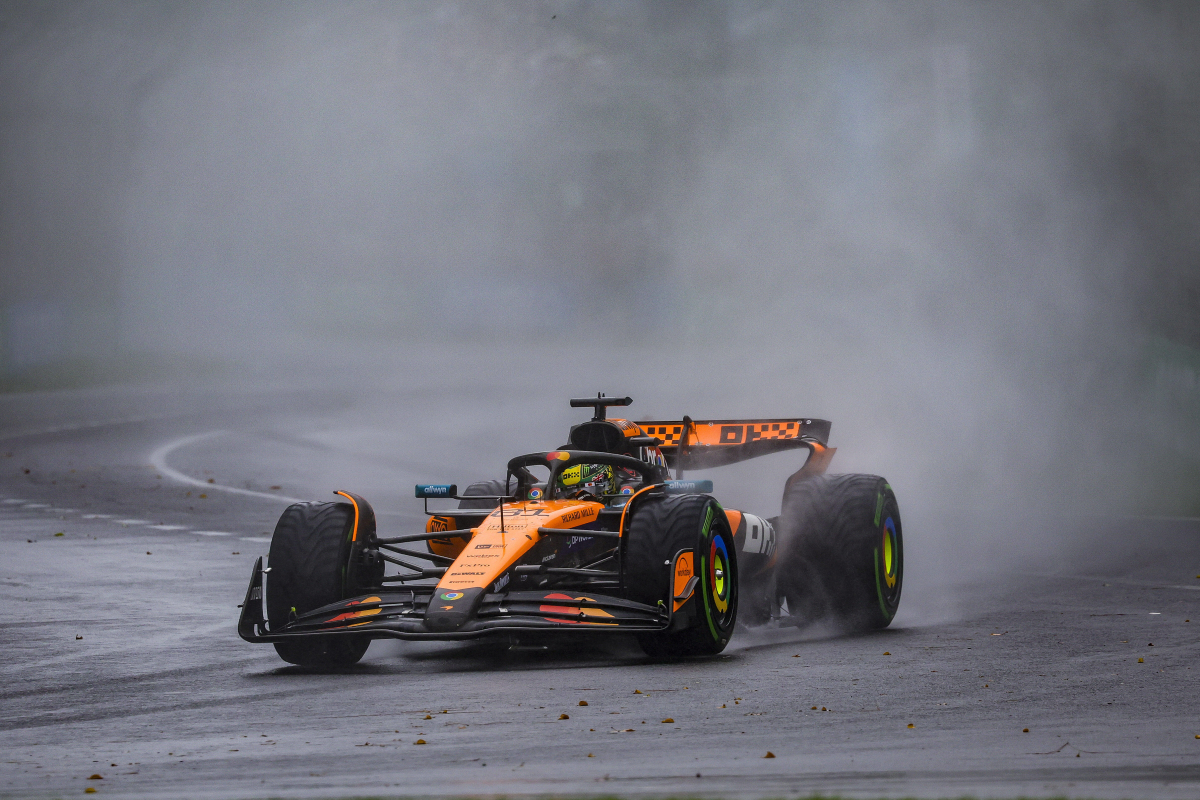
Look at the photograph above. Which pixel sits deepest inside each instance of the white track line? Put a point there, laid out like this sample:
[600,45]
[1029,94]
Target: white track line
[158,459]
[128,522]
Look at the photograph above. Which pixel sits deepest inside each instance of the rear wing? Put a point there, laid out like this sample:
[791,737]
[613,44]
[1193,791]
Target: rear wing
[699,444]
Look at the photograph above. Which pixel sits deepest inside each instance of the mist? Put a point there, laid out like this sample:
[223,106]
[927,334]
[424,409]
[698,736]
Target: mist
[963,232]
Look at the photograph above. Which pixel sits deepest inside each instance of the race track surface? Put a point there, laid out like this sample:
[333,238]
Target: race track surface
[123,566]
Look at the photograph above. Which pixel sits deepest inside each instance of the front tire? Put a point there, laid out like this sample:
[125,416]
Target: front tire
[316,559]
[842,551]
[659,530]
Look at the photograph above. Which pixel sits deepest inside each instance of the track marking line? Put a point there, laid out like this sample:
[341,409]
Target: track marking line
[253,539]
[36,505]
[133,522]
[98,516]
[212,533]
[12,501]
[61,510]
[158,459]
[169,527]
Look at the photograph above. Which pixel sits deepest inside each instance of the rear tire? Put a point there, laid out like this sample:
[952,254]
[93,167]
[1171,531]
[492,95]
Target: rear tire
[842,550]
[313,563]
[659,530]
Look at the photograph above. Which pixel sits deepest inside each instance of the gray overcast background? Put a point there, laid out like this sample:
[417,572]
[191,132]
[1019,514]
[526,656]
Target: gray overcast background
[966,232]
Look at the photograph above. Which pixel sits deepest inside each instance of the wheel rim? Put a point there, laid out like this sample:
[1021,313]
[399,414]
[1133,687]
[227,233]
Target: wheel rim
[718,573]
[890,549]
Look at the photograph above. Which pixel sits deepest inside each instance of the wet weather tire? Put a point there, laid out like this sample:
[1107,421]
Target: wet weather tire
[841,550]
[660,528]
[313,563]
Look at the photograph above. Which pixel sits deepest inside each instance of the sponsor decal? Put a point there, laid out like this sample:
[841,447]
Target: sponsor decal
[626,490]
[447,608]
[578,514]
[500,584]
[549,557]
[535,494]
[439,524]
[579,541]
[482,546]
[457,573]
[683,577]
[760,535]
[452,595]
[520,512]
[558,455]
[436,490]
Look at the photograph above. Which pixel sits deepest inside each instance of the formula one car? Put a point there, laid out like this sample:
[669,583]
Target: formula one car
[602,535]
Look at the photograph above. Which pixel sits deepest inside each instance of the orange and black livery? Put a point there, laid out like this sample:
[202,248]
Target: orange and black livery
[602,535]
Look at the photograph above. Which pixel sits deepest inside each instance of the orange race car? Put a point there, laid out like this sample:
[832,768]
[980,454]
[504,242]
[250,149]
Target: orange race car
[599,536]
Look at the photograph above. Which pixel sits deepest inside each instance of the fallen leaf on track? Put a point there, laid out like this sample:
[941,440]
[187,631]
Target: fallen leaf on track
[583,702]
[563,716]
[668,719]
[769,754]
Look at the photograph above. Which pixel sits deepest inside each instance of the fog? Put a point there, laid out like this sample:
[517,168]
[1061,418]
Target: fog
[964,232]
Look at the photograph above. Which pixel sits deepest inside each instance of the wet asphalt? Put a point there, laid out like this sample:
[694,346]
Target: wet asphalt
[1075,673]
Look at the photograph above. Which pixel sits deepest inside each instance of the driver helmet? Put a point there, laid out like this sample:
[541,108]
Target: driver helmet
[595,479]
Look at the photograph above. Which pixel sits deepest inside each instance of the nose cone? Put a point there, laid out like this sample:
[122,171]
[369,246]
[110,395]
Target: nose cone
[450,609]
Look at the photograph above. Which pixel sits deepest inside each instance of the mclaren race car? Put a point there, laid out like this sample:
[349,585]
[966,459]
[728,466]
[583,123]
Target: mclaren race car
[602,535]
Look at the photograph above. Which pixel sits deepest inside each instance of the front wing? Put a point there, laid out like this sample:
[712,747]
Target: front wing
[400,614]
